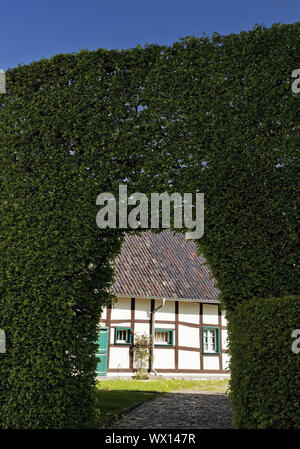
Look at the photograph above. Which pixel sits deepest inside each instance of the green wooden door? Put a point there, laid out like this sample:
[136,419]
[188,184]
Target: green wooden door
[102,351]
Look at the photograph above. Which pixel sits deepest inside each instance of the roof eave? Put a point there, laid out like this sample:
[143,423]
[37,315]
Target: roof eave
[206,300]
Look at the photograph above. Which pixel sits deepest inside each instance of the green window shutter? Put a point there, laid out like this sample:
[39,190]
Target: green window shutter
[129,336]
[171,337]
[218,340]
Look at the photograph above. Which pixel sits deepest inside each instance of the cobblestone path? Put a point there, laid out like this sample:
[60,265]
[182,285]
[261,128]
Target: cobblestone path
[187,409]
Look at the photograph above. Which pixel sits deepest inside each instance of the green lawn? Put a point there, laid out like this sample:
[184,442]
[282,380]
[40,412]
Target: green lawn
[114,396]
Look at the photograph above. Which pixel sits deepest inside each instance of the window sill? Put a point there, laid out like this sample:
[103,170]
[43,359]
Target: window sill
[162,345]
[211,353]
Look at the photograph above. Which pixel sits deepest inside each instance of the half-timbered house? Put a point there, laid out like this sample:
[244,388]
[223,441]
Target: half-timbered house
[165,290]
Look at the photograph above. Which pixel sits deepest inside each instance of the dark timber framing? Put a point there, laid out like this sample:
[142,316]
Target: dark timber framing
[200,336]
[152,307]
[176,334]
[220,337]
[111,324]
[132,307]
[108,321]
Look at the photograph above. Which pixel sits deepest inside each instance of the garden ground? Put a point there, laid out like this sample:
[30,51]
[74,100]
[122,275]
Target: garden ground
[116,396]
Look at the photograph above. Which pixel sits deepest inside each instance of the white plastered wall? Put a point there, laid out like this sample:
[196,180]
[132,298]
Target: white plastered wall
[210,314]
[188,360]
[224,339]
[121,310]
[211,362]
[188,336]
[164,325]
[188,312]
[142,328]
[119,357]
[167,313]
[142,309]
[164,358]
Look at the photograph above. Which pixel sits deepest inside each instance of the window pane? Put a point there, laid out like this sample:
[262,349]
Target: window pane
[122,335]
[162,337]
[210,340]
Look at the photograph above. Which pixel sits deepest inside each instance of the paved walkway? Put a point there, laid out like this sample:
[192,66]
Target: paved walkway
[187,409]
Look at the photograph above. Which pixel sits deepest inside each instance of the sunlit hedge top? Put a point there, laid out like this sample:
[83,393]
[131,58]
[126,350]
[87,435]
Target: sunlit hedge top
[215,115]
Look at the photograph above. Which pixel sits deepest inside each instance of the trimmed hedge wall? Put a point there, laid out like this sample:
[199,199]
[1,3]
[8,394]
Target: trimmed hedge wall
[213,115]
[265,382]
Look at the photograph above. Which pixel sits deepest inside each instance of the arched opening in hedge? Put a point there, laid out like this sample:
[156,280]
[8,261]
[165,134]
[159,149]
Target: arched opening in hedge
[203,115]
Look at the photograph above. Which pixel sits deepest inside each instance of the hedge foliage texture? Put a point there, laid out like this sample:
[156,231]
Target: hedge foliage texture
[265,377]
[213,115]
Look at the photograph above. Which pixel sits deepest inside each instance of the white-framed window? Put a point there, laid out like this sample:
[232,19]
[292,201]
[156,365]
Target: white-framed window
[211,344]
[123,335]
[164,337]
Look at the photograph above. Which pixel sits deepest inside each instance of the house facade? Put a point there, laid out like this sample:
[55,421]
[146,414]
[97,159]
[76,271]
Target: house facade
[166,291]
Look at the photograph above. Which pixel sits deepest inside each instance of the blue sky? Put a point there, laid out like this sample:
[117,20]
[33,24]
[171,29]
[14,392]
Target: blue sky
[33,29]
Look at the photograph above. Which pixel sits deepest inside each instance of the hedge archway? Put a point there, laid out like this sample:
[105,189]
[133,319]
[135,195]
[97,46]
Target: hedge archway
[213,115]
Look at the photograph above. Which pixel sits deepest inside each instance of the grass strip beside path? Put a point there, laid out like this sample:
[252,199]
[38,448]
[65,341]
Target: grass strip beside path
[115,396]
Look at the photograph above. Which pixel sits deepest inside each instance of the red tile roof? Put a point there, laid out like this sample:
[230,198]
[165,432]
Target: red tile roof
[163,265]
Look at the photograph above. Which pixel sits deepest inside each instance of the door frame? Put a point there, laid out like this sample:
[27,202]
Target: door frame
[102,351]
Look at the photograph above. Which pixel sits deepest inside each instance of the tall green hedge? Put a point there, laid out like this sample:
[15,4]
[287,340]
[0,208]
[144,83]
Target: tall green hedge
[265,378]
[215,115]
